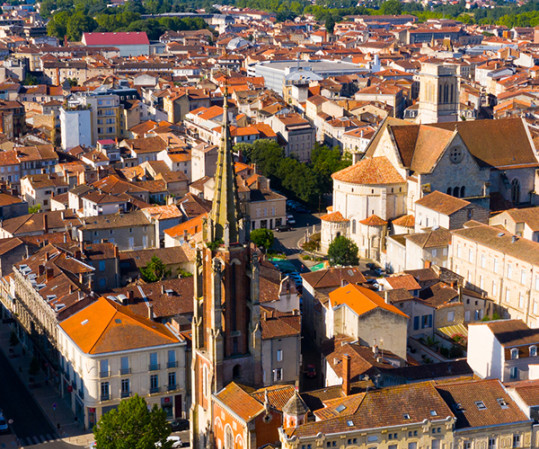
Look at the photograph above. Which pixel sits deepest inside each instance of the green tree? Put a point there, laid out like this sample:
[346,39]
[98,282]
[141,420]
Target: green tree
[155,270]
[133,426]
[79,23]
[263,238]
[34,209]
[342,251]
[391,7]
[330,24]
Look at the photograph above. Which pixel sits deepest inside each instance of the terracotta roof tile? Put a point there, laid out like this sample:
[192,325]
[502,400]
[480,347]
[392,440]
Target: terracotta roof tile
[370,171]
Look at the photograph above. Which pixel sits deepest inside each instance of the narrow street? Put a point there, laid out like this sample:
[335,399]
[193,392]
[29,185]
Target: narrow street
[29,423]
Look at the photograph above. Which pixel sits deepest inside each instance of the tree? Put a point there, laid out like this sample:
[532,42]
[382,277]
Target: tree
[263,238]
[79,23]
[391,7]
[343,251]
[34,209]
[133,426]
[155,270]
[330,24]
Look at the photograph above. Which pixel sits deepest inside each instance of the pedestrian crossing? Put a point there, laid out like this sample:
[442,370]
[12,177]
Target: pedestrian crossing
[36,439]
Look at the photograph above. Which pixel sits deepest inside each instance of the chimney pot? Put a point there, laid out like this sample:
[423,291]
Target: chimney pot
[346,374]
[130,296]
[41,270]
[427,264]
[50,274]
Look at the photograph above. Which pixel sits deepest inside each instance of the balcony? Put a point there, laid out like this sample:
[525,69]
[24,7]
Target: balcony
[126,394]
[172,365]
[105,397]
[154,390]
[172,387]
[124,371]
[104,373]
[154,367]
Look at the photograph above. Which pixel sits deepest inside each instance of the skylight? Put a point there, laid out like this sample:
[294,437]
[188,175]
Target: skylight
[406,416]
[480,405]
[340,408]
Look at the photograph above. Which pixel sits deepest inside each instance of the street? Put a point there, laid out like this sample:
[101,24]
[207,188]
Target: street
[287,242]
[29,423]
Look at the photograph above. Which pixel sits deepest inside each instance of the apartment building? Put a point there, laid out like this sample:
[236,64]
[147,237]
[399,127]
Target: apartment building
[503,349]
[107,354]
[295,133]
[500,265]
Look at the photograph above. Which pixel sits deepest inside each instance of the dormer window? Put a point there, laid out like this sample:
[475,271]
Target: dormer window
[502,403]
[533,351]
[514,354]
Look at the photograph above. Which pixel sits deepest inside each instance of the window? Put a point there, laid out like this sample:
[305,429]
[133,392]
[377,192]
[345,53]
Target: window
[495,265]
[105,393]
[521,300]
[279,355]
[125,388]
[154,366]
[278,375]
[451,316]
[467,445]
[516,440]
[509,270]
[103,368]
[393,436]
[435,444]
[483,261]
[154,383]
[514,354]
[416,323]
[412,445]
[172,380]
[492,443]
[101,265]
[470,255]
[507,295]
[523,276]
[229,438]
[513,373]
[426,322]
[537,283]
[406,416]
[458,251]
[494,288]
[480,405]
[502,403]
[171,359]
[533,351]
[124,365]
[372,438]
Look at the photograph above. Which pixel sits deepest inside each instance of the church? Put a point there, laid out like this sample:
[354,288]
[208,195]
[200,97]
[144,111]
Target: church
[238,339]
[491,163]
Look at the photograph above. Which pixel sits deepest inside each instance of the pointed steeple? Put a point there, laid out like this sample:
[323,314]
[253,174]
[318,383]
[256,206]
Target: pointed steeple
[225,215]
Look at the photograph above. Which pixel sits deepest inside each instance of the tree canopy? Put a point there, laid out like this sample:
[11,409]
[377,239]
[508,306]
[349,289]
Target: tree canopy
[306,182]
[133,426]
[342,251]
[263,238]
[155,270]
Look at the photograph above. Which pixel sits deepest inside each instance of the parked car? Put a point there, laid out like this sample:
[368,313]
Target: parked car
[179,425]
[283,228]
[310,371]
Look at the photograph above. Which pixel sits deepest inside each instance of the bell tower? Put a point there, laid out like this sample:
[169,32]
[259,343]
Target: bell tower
[226,332]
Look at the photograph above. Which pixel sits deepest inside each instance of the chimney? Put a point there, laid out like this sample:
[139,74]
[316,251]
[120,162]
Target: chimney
[65,238]
[386,297]
[63,215]
[162,289]
[50,274]
[130,296]
[346,374]
[45,223]
[41,270]
[514,238]
[116,252]
[427,264]
[150,311]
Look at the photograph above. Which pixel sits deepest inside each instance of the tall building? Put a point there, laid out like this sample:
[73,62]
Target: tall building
[438,93]
[227,336]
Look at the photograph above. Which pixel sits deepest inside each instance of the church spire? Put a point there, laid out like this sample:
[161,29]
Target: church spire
[225,218]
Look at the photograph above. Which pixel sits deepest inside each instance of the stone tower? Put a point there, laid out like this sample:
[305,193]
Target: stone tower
[438,93]
[226,336]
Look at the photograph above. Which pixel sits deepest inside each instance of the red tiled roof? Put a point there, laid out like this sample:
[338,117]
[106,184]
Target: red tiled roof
[117,38]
